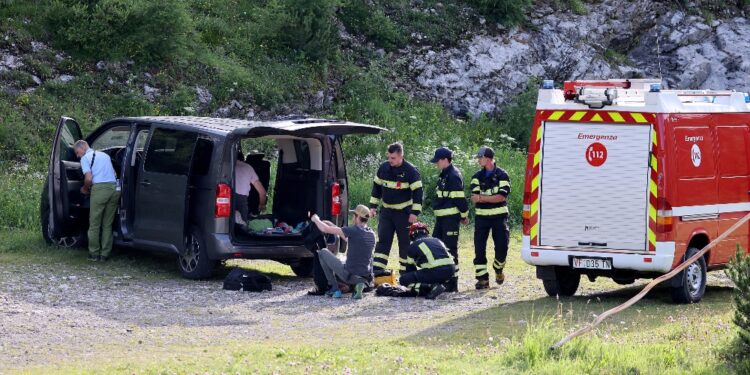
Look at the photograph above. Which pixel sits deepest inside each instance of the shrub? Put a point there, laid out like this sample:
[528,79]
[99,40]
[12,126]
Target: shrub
[508,12]
[373,23]
[739,272]
[146,31]
[306,27]
[517,119]
[577,7]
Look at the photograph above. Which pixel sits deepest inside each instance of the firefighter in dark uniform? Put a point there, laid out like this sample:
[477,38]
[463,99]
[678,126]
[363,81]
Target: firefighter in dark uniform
[489,192]
[397,186]
[429,265]
[450,207]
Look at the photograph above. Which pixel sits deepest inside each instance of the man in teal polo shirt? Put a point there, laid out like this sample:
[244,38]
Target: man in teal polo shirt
[101,183]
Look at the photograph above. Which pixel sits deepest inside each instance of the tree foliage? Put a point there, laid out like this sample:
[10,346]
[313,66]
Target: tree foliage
[146,31]
[739,272]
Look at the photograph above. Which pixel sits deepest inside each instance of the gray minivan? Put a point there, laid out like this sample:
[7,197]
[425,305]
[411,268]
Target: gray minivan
[177,177]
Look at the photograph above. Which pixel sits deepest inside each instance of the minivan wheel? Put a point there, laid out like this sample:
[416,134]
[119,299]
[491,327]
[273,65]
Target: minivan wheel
[565,284]
[193,261]
[692,281]
[46,226]
[303,267]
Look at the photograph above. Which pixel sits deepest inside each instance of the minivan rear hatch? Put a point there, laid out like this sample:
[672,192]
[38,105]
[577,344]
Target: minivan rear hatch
[307,127]
[594,185]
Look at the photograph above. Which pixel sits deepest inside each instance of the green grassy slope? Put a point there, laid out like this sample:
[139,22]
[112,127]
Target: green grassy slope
[236,50]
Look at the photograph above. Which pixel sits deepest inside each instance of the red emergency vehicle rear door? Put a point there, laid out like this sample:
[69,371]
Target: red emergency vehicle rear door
[594,185]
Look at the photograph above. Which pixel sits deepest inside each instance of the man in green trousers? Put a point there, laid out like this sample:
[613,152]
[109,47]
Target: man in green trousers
[100,181]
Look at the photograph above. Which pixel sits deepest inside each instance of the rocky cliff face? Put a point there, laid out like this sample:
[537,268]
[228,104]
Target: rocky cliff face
[616,39]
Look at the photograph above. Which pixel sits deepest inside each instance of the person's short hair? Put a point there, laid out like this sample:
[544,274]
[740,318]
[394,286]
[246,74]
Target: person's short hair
[397,148]
[80,143]
[363,220]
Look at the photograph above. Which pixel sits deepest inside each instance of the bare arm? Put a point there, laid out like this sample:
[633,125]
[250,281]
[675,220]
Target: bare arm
[88,180]
[327,228]
[262,193]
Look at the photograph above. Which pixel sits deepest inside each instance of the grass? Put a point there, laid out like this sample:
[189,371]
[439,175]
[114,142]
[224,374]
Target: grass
[512,334]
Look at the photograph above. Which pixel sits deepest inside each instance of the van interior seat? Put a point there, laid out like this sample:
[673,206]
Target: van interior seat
[295,193]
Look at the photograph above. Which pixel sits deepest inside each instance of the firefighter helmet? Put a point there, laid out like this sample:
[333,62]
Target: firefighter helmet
[417,230]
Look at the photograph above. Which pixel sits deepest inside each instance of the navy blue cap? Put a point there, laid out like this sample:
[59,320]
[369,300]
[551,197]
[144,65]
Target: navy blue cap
[487,152]
[442,153]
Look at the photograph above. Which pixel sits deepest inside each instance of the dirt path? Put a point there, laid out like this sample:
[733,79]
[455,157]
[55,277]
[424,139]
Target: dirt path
[84,312]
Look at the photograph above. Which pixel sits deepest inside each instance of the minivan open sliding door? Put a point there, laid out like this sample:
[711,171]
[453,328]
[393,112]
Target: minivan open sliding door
[64,181]
[161,190]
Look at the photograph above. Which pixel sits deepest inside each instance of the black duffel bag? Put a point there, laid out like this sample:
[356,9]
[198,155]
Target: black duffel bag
[247,280]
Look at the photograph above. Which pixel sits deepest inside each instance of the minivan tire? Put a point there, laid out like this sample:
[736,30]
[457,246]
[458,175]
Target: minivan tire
[565,284]
[692,280]
[303,267]
[49,238]
[193,261]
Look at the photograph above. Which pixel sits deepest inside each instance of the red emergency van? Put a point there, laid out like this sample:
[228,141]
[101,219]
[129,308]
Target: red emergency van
[626,180]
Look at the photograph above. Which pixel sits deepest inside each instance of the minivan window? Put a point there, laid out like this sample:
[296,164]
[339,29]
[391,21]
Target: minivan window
[140,140]
[112,138]
[170,151]
[202,157]
[67,139]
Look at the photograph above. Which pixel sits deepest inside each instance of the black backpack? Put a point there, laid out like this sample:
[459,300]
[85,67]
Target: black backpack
[247,280]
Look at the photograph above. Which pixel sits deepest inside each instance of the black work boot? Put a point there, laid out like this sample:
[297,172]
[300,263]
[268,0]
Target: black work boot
[436,290]
[452,285]
[482,284]
[499,277]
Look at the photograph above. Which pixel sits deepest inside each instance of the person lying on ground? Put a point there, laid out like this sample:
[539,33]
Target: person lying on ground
[429,264]
[360,239]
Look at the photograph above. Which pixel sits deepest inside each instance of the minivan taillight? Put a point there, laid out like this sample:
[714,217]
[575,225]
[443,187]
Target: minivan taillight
[526,214]
[223,201]
[335,199]
[664,217]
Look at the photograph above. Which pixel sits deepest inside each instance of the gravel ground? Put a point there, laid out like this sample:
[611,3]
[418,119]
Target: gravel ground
[94,312]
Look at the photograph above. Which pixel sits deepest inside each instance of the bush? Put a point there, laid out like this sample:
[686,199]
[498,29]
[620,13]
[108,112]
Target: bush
[146,31]
[508,12]
[422,127]
[517,119]
[306,27]
[739,272]
[373,23]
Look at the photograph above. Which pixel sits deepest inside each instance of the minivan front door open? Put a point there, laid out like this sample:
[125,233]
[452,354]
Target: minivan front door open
[64,180]
[161,190]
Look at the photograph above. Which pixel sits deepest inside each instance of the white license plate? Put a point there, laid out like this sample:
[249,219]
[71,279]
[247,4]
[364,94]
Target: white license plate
[592,263]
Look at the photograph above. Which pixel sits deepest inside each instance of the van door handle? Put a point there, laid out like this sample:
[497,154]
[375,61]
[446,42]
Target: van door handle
[145,183]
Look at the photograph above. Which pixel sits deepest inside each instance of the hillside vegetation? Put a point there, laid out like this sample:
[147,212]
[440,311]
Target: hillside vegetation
[259,59]
[94,60]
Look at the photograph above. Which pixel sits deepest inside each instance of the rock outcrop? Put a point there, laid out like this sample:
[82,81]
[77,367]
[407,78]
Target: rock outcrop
[616,39]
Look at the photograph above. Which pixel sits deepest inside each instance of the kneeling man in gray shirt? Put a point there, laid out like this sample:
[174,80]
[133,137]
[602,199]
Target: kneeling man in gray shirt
[361,243]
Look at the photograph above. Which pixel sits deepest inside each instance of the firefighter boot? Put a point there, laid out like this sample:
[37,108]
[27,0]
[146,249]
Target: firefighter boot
[436,290]
[482,284]
[451,286]
[499,277]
